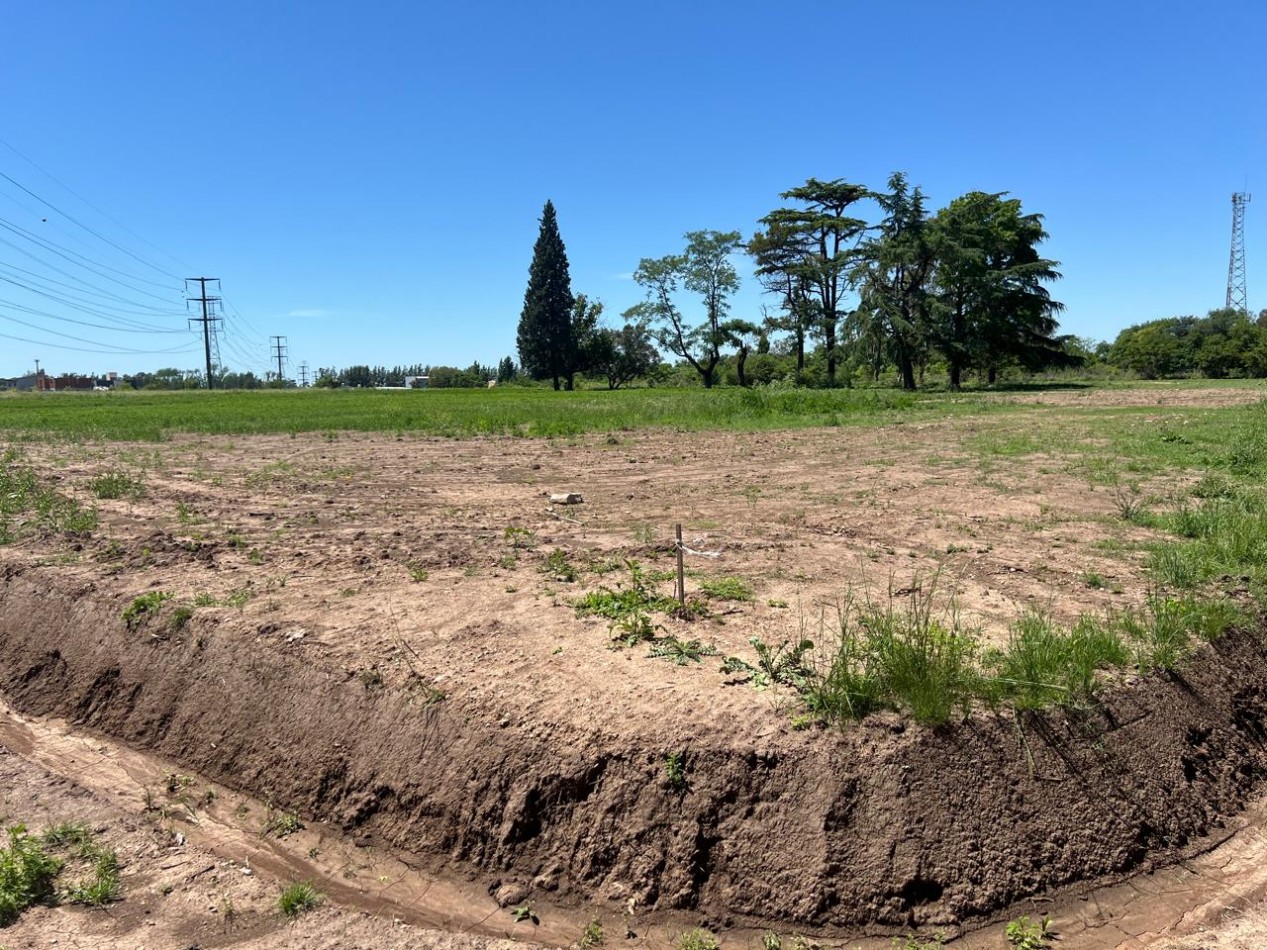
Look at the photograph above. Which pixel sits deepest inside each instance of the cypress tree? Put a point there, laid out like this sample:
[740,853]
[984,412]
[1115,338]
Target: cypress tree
[545,326]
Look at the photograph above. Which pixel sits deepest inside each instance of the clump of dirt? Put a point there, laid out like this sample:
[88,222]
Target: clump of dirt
[883,825]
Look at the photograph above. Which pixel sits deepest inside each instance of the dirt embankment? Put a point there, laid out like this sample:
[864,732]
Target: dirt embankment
[882,826]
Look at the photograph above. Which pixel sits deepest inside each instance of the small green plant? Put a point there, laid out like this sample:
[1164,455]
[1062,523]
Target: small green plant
[142,606]
[1093,580]
[102,886]
[180,616]
[675,770]
[1026,934]
[785,664]
[520,538]
[591,936]
[298,898]
[681,652]
[557,567]
[524,913]
[282,824]
[418,574]
[117,485]
[699,939]
[726,588]
[27,874]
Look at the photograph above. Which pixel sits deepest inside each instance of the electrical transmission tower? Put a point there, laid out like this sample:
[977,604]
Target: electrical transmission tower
[208,318]
[1237,299]
[279,351]
[303,374]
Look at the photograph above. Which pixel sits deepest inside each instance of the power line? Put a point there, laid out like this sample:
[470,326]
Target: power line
[113,221]
[94,233]
[303,374]
[84,261]
[98,347]
[207,319]
[279,350]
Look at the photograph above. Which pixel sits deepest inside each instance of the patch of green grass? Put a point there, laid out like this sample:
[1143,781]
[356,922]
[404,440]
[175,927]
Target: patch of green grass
[557,567]
[726,588]
[515,411]
[102,885]
[628,607]
[27,506]
[27,874]
[118,484]
[143,606]
[282,824]
[297,899]
[699,939]
[1045,666]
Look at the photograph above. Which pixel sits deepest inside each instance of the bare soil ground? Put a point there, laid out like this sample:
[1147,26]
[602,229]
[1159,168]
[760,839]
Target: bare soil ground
[402,584]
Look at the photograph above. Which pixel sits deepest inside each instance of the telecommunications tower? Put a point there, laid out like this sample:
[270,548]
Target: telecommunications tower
[1237,299]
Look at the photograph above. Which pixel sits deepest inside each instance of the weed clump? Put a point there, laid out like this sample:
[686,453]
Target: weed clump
[297,899]
[142,606]
[116,484]
[27,873]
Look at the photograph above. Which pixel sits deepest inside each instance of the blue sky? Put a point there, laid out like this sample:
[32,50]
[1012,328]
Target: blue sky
[366,179]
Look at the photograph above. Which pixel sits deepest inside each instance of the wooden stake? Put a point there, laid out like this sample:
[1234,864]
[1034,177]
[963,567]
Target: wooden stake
[681,574]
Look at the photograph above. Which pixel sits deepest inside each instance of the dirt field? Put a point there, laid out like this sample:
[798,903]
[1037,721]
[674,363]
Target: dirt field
[378,642]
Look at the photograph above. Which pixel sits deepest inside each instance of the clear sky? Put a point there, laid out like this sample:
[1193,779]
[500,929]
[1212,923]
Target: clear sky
[366,179]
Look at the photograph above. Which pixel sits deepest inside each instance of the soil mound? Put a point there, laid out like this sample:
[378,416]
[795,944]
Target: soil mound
[884,825]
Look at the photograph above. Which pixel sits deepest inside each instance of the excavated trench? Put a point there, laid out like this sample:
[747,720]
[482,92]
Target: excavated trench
[877,829]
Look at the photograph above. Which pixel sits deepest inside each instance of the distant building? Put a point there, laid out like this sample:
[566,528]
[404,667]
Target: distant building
[42,382]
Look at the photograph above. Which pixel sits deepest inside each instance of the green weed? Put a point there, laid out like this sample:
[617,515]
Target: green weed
[557,567]
[675,770]
[726,588]
[698,940]
[142,606]
[297,899]
[681,652]
[1025,934]
[117,484]
[27,874]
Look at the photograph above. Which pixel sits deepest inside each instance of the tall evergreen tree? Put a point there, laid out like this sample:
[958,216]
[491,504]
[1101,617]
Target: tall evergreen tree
[992,302]
[546,348]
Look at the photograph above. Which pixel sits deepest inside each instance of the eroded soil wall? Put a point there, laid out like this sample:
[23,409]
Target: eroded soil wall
[882,825]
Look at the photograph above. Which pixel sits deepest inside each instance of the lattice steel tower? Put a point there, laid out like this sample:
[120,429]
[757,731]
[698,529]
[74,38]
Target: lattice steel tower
[1236,296]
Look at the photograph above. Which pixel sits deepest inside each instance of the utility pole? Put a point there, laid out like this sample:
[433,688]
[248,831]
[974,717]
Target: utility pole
[208,318]
[303,374]
[1237,299]
[279,351]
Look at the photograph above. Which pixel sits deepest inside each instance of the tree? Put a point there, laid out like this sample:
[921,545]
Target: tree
[814,248]
[778,252]
[894,274]
[545,340]
[703,268]
[623,355]
[992,304]
[583,336]
[741,334]
[507,370]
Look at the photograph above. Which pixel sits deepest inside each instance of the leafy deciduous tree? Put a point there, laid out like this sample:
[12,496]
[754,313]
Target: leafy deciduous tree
[704,268]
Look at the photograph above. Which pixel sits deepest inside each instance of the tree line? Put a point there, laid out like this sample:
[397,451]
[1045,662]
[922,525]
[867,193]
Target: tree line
[966,286]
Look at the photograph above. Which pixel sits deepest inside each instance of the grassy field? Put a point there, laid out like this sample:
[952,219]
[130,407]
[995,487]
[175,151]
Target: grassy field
[145,416]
